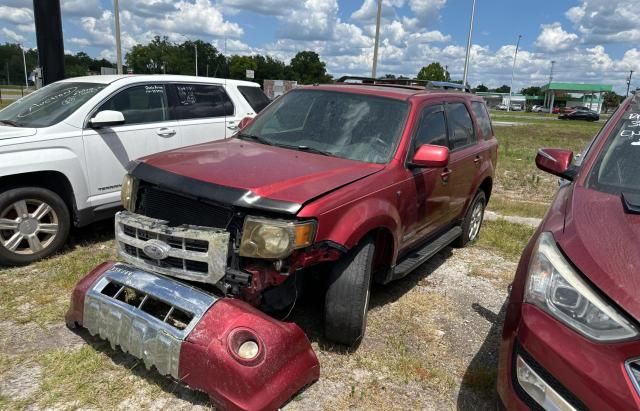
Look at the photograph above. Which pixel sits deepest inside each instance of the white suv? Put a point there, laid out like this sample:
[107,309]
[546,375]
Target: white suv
[64,148]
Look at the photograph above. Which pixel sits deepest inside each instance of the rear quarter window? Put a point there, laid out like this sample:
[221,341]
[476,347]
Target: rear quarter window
[193,101]
[255,97]
[484,122]
[461,133]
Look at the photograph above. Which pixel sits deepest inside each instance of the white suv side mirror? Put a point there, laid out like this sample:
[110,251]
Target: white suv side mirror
[107,118]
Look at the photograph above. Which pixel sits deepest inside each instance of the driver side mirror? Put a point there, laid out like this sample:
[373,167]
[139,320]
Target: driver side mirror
[430,156]
[555,161]
[245,122]
[107,118]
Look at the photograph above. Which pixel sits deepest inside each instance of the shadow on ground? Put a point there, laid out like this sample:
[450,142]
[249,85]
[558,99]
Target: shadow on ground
[308,313]
[137,367]
[479,381]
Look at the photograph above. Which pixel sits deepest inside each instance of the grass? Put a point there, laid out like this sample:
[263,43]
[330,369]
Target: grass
[516,207]
[508,239]
[4,104]
[40,293]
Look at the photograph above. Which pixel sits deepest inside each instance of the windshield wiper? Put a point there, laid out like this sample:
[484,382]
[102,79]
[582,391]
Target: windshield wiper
[308,149]
[254,137]
[9,122]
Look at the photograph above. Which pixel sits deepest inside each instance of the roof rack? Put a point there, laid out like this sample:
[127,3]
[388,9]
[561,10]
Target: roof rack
[413,84]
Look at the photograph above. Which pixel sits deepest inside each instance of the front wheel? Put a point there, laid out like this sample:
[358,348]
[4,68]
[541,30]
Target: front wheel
[472,221]
[34,223]
[347,298]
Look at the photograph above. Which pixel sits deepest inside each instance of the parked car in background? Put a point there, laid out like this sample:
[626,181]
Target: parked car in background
[580,114]
[502,107]
[556,110]
[537,109]
[63,148]
[571,338]
[516,107]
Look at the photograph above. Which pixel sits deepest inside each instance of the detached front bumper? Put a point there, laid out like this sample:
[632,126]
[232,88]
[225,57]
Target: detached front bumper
[242,358]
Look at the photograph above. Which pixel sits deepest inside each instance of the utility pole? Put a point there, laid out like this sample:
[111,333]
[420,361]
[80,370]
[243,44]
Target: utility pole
[466,60]
[196,46]
[116,12]
[553,62]
[377,41]
[513,70]
[629,81]
[24,63]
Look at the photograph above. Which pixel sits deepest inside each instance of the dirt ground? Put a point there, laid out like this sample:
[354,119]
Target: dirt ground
[431,344]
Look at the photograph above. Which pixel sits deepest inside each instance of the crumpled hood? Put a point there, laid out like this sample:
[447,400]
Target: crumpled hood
[266,171]
[603,242]
[15,132]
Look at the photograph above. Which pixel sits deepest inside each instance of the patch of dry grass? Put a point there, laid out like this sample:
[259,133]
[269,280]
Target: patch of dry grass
[508,239]
[515,207]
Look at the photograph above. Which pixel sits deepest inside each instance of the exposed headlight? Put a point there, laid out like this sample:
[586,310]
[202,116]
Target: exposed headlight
[263,238]
[554,286]
[128,192]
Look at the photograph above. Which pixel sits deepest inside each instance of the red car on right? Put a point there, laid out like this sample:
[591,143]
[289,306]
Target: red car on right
[571,338]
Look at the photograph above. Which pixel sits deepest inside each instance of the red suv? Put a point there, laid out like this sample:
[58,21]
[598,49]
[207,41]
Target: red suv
[371,180]
[571,338]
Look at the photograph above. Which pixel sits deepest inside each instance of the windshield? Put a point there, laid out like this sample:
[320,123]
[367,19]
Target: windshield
[49,105]
[618,166]
[347,125]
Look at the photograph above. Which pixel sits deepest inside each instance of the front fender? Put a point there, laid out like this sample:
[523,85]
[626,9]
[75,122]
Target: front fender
[361,218]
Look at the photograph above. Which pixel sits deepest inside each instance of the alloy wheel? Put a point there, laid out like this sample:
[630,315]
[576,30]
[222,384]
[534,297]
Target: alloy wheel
[28,226]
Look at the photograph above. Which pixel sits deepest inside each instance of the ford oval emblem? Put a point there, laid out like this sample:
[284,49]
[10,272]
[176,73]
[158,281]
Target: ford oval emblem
[156,249]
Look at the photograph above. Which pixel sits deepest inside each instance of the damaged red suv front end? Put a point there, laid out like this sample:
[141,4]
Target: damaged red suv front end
[242,358]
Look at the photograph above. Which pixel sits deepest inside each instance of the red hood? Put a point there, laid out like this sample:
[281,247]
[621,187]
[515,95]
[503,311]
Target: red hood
[267,171]
[603,242]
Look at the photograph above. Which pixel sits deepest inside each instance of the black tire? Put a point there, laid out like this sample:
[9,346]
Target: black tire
[347,297]
[469,233]
[56,219]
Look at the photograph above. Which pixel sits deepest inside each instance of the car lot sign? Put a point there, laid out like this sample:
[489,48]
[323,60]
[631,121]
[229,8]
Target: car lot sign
[250,74]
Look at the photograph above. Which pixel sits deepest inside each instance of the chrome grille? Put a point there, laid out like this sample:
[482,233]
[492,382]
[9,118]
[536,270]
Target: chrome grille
[193,253]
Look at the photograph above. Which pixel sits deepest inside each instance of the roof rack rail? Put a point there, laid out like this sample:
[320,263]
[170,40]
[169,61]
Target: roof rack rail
[404,83]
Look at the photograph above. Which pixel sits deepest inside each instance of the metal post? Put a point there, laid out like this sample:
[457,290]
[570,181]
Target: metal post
[513,70]
[24,63]
[466,60]
[377,41]
[196,46]
[116,12]
[629,81]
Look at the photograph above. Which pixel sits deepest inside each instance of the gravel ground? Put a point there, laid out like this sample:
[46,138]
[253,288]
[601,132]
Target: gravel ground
[431,344]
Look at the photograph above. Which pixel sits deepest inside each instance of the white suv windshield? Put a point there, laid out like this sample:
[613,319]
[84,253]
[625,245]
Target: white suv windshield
[348,125]
[49,105]
[618,166]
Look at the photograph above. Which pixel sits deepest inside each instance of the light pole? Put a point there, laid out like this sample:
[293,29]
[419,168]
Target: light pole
[24,63]
[377,41]
[553,63]
[116,12]
[629,81]
[466,60]
[513,70]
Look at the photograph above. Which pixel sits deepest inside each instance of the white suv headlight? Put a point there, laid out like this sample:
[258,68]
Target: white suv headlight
[275,239]
[554,286]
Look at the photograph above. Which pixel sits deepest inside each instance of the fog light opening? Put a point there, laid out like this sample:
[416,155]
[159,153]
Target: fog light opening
[246,347]
[538,389]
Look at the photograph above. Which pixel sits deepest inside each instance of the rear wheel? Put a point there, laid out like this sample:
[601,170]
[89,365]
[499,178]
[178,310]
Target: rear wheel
[347,297]
[34,223]
[472,221]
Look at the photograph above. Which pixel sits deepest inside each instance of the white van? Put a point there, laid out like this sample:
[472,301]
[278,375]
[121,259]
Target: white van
[64,148]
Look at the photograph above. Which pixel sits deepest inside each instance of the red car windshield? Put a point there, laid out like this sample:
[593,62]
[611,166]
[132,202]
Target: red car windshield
[618,166]
[348,125]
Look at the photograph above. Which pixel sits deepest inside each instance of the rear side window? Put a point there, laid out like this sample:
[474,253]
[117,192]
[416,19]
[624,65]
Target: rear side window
[255,97]
[480,110]
[432,128]
[460,126]
[201,101]
[140,104]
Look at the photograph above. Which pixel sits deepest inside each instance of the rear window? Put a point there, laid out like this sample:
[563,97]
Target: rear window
[618,166]
[480,111]
[255,97]
[201,101]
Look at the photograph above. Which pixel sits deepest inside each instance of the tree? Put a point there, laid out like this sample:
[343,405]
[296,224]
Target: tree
[434,72]
[389,76]
[502,89]
[482,88]
[268,68]
[531,91]
[238,66]
[307,68]
[610,100]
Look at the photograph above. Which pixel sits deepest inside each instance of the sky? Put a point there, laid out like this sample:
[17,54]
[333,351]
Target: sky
[592,41]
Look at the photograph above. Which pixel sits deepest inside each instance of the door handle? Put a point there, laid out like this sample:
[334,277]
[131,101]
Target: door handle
[166,132]
[445,175]
[232,126]
[477,160]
